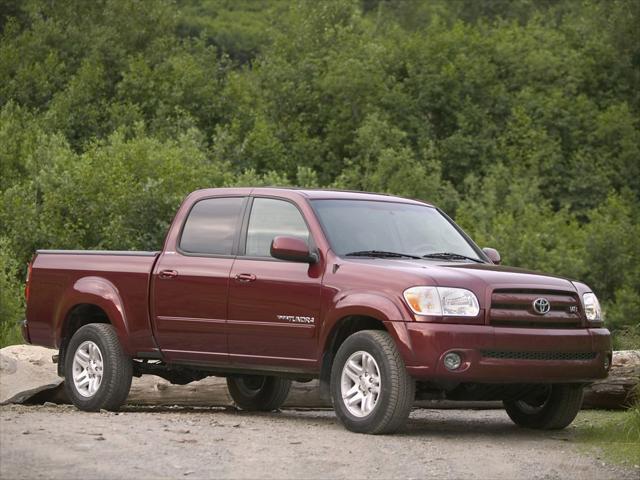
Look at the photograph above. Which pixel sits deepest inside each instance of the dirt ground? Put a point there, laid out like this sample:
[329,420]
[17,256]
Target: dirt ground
[61,442]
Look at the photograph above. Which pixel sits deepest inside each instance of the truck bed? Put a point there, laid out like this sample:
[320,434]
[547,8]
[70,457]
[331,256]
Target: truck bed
[60,280]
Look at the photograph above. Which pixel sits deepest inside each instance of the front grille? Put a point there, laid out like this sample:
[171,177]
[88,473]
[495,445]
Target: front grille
[538,355]
[514,308]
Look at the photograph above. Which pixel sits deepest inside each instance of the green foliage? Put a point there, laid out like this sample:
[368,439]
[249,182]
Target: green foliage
[118,194]
[11,298]
[612,258]
[18,134]
[519,117]
[237,27]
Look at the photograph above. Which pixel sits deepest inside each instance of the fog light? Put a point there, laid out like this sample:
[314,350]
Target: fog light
[452,361]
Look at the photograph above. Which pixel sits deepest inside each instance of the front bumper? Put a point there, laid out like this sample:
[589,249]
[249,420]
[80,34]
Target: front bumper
[508,355]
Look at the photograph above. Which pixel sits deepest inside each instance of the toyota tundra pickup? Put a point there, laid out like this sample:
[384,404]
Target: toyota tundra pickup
[381,298]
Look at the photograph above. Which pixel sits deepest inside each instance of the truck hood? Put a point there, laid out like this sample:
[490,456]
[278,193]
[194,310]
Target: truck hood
[472,276]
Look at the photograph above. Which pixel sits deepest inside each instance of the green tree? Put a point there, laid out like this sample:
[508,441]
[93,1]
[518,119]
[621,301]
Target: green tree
[521,118]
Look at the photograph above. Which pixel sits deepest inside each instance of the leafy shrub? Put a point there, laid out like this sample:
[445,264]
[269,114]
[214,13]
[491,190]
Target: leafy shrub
[11,297]
[519,118]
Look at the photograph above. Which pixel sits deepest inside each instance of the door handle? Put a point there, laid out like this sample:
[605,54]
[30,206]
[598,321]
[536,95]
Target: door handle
[168,274]
[245,277]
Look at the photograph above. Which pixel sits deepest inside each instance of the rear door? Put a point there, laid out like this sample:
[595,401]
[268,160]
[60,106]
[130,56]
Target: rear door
[190,285]
[274,305]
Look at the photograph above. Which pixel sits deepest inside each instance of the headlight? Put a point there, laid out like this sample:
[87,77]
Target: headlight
[441,301]
[592,307]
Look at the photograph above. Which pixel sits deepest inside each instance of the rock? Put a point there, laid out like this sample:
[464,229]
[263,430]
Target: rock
[26,370]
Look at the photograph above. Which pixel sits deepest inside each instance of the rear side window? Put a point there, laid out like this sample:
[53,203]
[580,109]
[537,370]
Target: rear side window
[271,218]
[211,226]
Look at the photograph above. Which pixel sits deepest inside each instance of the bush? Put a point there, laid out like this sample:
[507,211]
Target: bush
[11,297]
[521,120]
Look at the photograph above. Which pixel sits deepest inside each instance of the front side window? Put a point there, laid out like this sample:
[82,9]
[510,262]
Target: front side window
[354,226]
[271,218]
[211,226]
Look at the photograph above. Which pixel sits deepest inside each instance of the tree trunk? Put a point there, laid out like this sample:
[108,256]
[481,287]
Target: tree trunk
[617,390]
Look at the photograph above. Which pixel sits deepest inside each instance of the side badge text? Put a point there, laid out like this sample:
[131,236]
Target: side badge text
[296,319]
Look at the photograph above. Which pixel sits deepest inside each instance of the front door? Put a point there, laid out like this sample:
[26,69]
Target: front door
[274,305]
[190,285]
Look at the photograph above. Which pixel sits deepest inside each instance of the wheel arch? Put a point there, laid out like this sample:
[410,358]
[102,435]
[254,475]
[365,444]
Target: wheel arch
[347,326]
[89,300]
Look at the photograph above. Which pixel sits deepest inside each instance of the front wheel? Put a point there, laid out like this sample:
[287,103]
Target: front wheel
[258,392]
[370,387]
[97,371]
[553,407]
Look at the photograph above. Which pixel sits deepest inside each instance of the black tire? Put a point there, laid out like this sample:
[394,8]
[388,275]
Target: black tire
[116,370]
[553,408]
[258,392]
[396,387]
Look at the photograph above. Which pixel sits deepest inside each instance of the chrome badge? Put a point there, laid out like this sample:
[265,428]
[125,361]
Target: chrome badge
[541,306]
[296,319]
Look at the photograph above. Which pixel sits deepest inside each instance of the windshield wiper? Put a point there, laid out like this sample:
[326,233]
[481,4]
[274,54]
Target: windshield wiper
[380,254]
[451,256]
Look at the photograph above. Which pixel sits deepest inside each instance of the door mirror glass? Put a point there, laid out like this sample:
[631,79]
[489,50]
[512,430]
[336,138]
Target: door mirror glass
[493,255]
[292,249]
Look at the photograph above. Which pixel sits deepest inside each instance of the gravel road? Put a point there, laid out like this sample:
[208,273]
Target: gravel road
[61,442]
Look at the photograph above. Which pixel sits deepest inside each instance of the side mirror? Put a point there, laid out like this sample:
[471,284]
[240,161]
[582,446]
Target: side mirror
[493,255]
[292,249]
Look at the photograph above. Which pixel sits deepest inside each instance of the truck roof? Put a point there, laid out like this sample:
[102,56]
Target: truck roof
[312,194]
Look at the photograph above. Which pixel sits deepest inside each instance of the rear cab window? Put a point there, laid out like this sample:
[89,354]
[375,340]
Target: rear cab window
[212,226]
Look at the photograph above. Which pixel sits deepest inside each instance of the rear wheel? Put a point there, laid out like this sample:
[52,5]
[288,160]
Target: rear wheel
[370,387]
[258,392]
[97,371]
[553,407]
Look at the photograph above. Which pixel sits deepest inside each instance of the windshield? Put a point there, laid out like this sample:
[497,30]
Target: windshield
[364,226]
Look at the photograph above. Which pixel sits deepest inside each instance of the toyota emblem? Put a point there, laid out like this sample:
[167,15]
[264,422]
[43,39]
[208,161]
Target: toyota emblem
[541,306]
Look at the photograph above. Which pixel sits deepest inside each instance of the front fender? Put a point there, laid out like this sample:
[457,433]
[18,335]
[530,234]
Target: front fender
[96,291]
[374,305]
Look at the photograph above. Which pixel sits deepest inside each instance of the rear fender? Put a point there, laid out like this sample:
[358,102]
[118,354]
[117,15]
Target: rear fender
[96,291]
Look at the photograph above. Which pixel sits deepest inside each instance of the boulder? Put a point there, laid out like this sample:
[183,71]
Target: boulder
[26,370]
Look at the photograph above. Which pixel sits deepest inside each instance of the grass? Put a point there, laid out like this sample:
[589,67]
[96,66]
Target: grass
[616,435]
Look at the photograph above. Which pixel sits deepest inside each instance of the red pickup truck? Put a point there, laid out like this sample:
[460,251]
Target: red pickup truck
[383,299]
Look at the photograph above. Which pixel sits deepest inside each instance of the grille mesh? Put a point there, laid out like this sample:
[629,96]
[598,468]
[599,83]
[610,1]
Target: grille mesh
[539,355]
